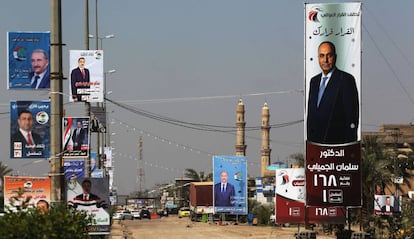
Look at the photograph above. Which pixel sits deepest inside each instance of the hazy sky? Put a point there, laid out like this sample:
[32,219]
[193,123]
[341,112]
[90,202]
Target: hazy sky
[191,60]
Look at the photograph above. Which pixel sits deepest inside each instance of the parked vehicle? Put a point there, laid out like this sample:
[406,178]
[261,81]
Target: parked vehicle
[145,213]
[136,214]
[184,212]
[117,216]
[126,214]
[162,213]
[201,199]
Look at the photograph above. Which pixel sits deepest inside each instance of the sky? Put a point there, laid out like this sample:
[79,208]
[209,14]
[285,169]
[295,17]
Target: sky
[192,60]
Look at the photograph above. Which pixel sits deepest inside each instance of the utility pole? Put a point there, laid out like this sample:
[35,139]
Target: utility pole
[87,104]
[395,134]
[140,169]
[56,102]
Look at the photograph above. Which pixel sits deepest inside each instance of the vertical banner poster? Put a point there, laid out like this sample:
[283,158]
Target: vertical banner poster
[28,60]
[230,184]
[86,82]
[290,195]
[75,137]
[91,195]
[35,189]
[29,129]
[332,104]
[74,168]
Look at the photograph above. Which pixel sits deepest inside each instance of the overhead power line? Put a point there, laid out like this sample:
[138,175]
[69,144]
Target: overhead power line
[191,125]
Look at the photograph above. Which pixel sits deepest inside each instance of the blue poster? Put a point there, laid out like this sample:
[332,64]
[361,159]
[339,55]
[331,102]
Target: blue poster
[29,129]
[230,184]
[28,60]
[74,169]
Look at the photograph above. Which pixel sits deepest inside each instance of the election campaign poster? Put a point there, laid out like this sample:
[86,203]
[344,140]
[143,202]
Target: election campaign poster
[35,192]
[86,82]
[75,137]
[29,129]
[230,184]
[333,104]
[28,60]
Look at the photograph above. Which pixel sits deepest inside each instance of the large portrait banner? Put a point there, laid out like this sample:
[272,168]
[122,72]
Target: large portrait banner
[332,104]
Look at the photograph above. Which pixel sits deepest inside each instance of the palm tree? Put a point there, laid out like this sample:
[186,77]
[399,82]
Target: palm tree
[198,177]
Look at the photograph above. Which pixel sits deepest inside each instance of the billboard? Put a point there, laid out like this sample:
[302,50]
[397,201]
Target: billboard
[332,104]
[91,195]
[29,129]
[75,137]
[36,191]
[86,83]
[28,60]
[230,184]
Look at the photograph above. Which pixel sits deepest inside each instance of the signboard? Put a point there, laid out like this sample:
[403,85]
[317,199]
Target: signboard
[86,82]
[28,60]
[230,184]
[36,191]
[29,129]
[332,104]
[74,168]
[75,137]
[290,201]
[290,195]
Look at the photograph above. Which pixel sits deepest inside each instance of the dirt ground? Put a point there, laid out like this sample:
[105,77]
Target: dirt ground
[175,228]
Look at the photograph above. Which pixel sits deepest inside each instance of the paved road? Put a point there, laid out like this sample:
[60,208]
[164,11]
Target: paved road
[174,228]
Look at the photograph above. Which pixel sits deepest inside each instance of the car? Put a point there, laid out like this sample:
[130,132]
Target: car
[126,214]
[117,216]
[184,212]
[136,214]
[272,218]
[162,213]
[172,210]
[145,213]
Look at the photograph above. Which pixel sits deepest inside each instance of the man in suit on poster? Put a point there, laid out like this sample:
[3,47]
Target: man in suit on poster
[223,191]
[39,77]
[24,138]
[80,81]
[78,135]
[333,105]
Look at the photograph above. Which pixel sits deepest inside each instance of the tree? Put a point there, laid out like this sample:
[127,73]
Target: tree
[299,159]
[4,170]
[198,177]
[57,222]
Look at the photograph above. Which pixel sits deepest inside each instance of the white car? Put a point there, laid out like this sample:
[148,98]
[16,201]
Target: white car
[117,216]
[272,218]
[136,214]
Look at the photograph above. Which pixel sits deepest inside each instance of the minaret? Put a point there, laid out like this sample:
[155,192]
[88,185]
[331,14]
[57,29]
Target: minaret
[240,124]
[265,151]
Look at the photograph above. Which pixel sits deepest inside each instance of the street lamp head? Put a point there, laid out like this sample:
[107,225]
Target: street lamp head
[111,71]
[110,36]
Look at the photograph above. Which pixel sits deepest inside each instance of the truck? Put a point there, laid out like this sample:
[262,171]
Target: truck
[201,200]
